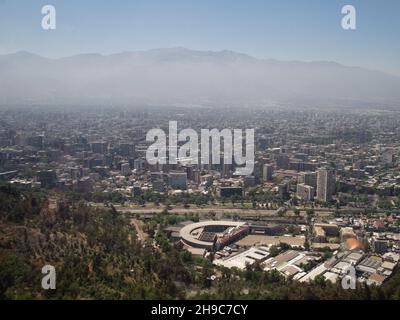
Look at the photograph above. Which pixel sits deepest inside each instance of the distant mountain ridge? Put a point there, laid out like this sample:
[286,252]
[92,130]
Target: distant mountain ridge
[188,77]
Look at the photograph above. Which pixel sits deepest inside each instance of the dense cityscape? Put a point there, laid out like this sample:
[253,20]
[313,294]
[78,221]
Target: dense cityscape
[323,199]
[199,158]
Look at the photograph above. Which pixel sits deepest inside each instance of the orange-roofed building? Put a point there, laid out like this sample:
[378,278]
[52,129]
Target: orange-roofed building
[354,244]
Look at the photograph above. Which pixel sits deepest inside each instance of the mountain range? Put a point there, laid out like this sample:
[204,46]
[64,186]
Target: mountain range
[179,76]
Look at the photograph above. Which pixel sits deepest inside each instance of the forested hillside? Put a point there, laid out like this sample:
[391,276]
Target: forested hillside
[97,256]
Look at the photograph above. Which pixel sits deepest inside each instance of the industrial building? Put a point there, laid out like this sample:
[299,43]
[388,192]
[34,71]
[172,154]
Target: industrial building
[244,258]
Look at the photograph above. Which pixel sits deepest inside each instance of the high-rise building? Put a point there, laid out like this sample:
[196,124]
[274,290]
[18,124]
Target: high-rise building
[125,169]
[283,190]
[156,176]
[387,156]
[138,164]
[305,192]
[136,190]
[178,180]
[84,185]
[249,182]
[325,185]
[258,170]
[47,179]
[197,176]
[126,149]
[158,186]
[379,245]
[282,161]
[98,147]
[268,171]
[309,178]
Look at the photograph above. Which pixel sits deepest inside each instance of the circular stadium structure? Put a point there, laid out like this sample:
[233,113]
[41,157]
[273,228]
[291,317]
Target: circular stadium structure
[213,235]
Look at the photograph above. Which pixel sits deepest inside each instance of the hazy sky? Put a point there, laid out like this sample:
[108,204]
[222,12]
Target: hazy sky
[281,29]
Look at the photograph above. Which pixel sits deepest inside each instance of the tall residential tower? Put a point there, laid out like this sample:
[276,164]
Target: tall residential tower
[325,185]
